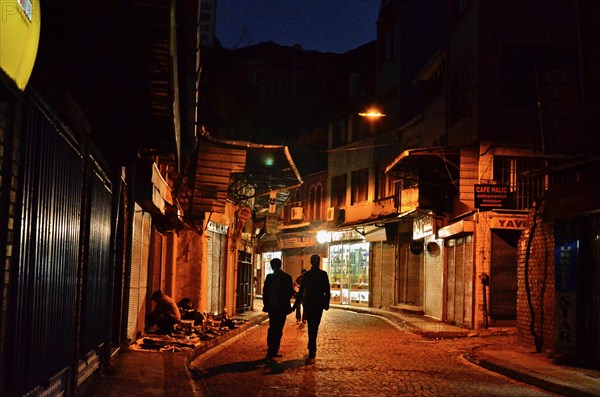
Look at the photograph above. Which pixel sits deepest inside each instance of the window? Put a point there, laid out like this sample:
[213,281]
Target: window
[384,184]
[314,199]
[360,185]
[338,190]
[508,170]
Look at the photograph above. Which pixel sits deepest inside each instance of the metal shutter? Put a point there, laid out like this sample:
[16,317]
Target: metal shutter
[139,272]
[434,279]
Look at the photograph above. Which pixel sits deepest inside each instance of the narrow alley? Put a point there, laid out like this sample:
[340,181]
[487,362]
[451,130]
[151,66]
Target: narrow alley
[358,355]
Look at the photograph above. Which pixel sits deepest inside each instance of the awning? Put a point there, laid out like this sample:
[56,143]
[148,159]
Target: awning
[413,157]
[244,172]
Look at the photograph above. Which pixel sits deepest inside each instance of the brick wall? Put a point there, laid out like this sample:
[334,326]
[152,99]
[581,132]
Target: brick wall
[541,283]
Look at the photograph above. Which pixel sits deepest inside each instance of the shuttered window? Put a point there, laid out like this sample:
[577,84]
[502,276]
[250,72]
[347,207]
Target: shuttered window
[139,273]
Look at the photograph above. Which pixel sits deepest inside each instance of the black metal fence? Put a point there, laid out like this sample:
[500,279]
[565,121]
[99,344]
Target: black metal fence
[61,282]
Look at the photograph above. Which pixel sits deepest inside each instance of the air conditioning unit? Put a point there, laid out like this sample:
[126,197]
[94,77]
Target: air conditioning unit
[333,214]
[296,213]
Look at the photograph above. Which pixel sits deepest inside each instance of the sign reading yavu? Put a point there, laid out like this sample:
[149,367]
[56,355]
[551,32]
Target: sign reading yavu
[515,222]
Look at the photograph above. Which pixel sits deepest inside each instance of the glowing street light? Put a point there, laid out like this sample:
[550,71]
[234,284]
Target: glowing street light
[372,114]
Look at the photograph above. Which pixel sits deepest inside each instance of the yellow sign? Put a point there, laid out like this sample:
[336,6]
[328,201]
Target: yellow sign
[19,38]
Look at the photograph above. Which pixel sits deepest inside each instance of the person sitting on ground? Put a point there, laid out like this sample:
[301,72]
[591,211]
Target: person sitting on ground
[188,312]
[165,314]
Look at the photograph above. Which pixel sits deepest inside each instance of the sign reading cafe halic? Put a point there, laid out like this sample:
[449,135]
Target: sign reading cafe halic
[491,196]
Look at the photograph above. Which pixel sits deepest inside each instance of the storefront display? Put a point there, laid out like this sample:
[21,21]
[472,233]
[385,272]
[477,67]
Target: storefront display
[349,272]
[266,260]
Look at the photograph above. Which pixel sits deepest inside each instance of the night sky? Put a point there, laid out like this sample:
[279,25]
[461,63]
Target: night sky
[323,25]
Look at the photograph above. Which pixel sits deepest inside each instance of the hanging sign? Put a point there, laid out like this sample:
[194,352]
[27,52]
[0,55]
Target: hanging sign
[491,196]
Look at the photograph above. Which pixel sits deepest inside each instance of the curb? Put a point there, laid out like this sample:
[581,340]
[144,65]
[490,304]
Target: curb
[210,344]
[407,325]
[524,375]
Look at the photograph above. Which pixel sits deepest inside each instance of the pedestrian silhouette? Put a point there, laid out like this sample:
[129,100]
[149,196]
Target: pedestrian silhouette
[299,312]
[277,292]
[314,294]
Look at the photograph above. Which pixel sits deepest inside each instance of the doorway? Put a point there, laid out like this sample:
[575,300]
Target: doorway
[503,278]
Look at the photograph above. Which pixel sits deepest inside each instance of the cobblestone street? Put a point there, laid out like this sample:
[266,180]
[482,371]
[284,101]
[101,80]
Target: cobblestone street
[358,355]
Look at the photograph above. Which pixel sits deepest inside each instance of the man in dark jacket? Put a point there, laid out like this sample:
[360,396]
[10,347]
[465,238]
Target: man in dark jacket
[314,294]
[277,292]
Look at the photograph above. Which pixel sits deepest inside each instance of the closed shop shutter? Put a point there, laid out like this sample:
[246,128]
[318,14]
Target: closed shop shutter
[217,270]
[410,275]
[383,265]
[459,285]
[434,272]
[139,272]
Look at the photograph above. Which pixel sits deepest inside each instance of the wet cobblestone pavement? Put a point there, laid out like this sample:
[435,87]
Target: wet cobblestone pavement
[358,355]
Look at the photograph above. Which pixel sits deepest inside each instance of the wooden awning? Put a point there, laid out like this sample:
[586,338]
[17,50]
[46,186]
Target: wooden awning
[241,171]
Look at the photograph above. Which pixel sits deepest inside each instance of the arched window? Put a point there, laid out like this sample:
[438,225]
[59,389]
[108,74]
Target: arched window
[318,202]
[311,203]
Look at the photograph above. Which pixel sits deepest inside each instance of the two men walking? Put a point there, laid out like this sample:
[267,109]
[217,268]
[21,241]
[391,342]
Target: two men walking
[314,295]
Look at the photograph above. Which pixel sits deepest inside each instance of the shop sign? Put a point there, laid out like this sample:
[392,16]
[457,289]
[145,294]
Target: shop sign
[216,227]
[375,233]
[456,228]
[565,263]
[491,196]
[508,222]
[422,226]
[296,241]
[346,235]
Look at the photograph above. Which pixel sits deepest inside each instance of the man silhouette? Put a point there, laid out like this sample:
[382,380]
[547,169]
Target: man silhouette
[277,292]
[314,294]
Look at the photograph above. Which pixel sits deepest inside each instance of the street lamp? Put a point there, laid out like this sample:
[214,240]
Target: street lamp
[372,114]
